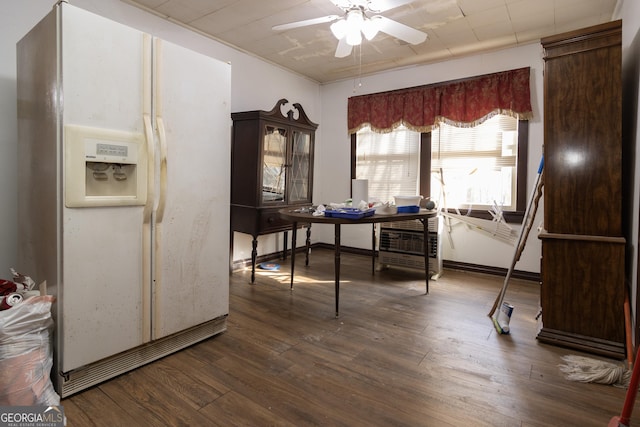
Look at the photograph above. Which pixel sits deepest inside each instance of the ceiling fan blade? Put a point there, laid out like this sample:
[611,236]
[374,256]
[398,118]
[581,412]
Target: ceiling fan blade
[343,49]
[398,30]
[306,22]
[343,4]
[382,5]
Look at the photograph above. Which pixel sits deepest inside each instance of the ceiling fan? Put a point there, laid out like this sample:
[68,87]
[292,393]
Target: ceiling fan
[360,18]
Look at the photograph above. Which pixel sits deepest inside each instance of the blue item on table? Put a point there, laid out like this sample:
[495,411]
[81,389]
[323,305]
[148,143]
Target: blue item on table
[408,209]
[348,213]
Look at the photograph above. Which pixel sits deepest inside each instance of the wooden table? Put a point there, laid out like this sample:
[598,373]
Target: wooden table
[296,217]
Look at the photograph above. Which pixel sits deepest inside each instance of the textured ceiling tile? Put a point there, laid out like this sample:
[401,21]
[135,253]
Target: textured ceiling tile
[533,21]
[521,10]
[456,33]
[494,15]
[147,3]
[187,11]
[499,30]
[470,7]
[455,29]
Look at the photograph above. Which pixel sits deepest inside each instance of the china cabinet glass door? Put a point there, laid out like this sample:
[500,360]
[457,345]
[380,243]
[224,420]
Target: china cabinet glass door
[274,164]
[298,190]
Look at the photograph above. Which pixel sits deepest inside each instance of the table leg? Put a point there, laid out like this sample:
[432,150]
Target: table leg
[254,255]
[337,265]
[284,244]
[308,244]
[425,225]
[231,251]
[373,249]
[294,232]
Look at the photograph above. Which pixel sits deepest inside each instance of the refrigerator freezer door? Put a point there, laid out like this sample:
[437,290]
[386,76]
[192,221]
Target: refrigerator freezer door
[192,104]
[102,247]
[104,167]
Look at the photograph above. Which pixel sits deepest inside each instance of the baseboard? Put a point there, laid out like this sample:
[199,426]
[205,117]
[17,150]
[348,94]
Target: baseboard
[447,264]
[495,271]
[592,345]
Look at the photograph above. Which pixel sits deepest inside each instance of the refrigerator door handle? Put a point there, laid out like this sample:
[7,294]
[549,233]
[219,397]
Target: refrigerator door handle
[162,197]
[148,134]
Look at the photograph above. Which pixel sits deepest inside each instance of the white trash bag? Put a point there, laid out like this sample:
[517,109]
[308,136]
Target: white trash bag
[25,354]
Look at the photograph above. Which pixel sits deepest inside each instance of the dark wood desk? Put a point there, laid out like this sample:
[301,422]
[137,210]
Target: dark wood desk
[308,218]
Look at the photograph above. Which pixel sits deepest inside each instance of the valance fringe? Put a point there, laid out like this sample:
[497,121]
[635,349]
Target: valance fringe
[464,103]
[439,120]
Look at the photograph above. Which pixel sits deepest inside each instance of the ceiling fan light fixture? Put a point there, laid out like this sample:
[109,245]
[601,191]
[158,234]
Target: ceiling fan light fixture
[369,28]
[339,28]
[354,37]
[355,18]
[355,22]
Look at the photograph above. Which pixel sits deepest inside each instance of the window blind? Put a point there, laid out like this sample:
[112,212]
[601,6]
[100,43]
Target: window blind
[390,161]
[492,144]
[477,164]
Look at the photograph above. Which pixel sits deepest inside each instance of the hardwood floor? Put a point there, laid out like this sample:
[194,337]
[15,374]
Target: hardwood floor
[394,357]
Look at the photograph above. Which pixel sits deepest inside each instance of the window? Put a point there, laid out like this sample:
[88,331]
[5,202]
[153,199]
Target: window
[390,161]
[479,165]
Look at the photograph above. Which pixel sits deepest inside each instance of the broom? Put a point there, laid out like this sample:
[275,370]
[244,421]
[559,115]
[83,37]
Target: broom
[527,224]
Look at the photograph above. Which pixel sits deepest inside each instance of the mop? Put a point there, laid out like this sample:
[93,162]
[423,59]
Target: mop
[503,315]
[589,370]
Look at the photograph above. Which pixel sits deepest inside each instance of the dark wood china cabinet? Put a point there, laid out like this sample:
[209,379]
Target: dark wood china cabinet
[271,169]
[583,248]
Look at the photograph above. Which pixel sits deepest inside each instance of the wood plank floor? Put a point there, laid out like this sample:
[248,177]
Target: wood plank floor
[394,357]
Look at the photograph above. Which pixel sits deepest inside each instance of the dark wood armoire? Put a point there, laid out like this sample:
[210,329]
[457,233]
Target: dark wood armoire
[271,169]
[583,248]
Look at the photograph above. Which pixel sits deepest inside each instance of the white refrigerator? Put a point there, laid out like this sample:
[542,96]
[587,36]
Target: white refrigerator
[123,159]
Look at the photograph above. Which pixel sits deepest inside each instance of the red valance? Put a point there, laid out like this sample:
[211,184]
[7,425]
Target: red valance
[461,103]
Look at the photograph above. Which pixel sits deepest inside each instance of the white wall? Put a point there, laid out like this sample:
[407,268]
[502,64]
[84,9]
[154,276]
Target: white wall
[468,246]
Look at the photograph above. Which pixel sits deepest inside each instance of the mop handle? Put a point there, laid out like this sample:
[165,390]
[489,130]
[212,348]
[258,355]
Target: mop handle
[632,391]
